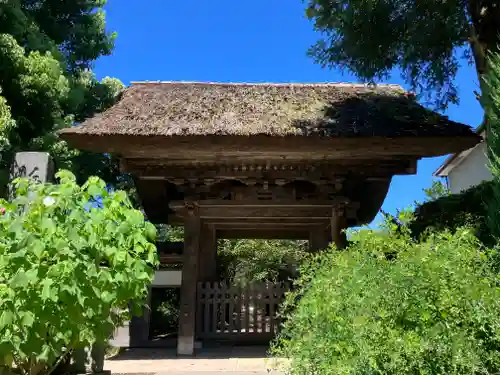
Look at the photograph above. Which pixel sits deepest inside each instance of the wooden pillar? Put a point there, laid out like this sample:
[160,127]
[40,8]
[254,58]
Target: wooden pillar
[338,225]
[207,270]
[187,316]
[319,239]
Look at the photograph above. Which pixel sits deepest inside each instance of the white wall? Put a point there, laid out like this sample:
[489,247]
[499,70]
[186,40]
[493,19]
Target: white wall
[166,278]
[471,171]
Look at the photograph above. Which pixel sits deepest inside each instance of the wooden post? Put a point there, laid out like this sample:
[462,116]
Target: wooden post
[187,317]
[319,239]
[207,270]
[338,225]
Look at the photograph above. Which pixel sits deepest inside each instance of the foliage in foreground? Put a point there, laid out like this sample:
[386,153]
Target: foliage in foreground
[433,309]
[66,262]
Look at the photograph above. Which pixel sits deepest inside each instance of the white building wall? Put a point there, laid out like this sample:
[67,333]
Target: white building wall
[471,171]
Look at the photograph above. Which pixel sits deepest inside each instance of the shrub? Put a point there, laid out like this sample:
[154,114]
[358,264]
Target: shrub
[69,256]
[453,211]
[432,309]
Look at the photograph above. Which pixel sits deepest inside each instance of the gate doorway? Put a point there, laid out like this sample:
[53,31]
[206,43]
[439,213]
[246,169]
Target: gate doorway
[239,315]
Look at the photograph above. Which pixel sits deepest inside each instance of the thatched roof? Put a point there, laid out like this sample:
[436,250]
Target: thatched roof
[181,108]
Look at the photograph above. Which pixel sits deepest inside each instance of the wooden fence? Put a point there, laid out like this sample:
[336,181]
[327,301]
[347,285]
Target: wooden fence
[232,313]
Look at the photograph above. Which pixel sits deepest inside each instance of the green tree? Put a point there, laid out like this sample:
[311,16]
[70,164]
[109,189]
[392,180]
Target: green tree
[47,49]
[424,39]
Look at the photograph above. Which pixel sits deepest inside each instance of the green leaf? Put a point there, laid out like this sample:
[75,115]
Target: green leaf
[46,290]
[28,319]
[94,191]
[135,217]
[44,353]
[48,225]
[20,280]
[107,296]
[150,232]
[32,275]
[6,319]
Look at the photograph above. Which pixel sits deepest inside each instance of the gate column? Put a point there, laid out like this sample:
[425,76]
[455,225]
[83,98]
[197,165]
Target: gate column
[338,225]
[319,239]
[187,317]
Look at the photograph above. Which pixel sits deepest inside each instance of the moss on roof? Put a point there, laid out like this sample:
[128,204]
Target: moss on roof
[190,108]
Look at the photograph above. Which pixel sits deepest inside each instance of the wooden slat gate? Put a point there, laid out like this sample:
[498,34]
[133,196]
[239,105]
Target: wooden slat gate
[236,314]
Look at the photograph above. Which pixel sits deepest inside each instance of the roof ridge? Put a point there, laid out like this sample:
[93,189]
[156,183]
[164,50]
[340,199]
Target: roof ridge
[303,84]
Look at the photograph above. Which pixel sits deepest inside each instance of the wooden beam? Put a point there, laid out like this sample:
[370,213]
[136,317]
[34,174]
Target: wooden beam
[264,234]
[263,147]
[170,258]
[313,210]
[333,170]
[302,224]
[256,222]
[269,204]
[187,314]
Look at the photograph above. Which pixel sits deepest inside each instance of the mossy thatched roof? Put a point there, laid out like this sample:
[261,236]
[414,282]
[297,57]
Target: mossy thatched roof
[183,108]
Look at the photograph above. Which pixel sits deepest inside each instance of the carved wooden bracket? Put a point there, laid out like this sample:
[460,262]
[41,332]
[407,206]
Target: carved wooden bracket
[188,207]
[347,210]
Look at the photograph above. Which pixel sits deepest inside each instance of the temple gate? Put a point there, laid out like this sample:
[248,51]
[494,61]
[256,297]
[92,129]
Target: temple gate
[271,161]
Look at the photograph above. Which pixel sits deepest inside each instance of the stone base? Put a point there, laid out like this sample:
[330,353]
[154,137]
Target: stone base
[185,346]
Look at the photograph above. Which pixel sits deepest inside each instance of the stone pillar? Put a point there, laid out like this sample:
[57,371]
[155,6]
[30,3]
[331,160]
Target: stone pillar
[319,239]
[338,226]
[187,315]
[38,166]
[207,270]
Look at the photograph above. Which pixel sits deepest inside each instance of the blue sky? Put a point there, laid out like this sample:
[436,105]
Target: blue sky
[244,41]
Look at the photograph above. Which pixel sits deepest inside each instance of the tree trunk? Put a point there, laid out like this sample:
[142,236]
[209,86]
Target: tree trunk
[484,32]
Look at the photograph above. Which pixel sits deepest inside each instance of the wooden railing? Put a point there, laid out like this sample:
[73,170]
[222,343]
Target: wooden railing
[239,314]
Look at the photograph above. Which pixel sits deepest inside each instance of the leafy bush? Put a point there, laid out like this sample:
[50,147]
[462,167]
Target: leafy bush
[453,211]
[69,256]
[245,261]
[433,309]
